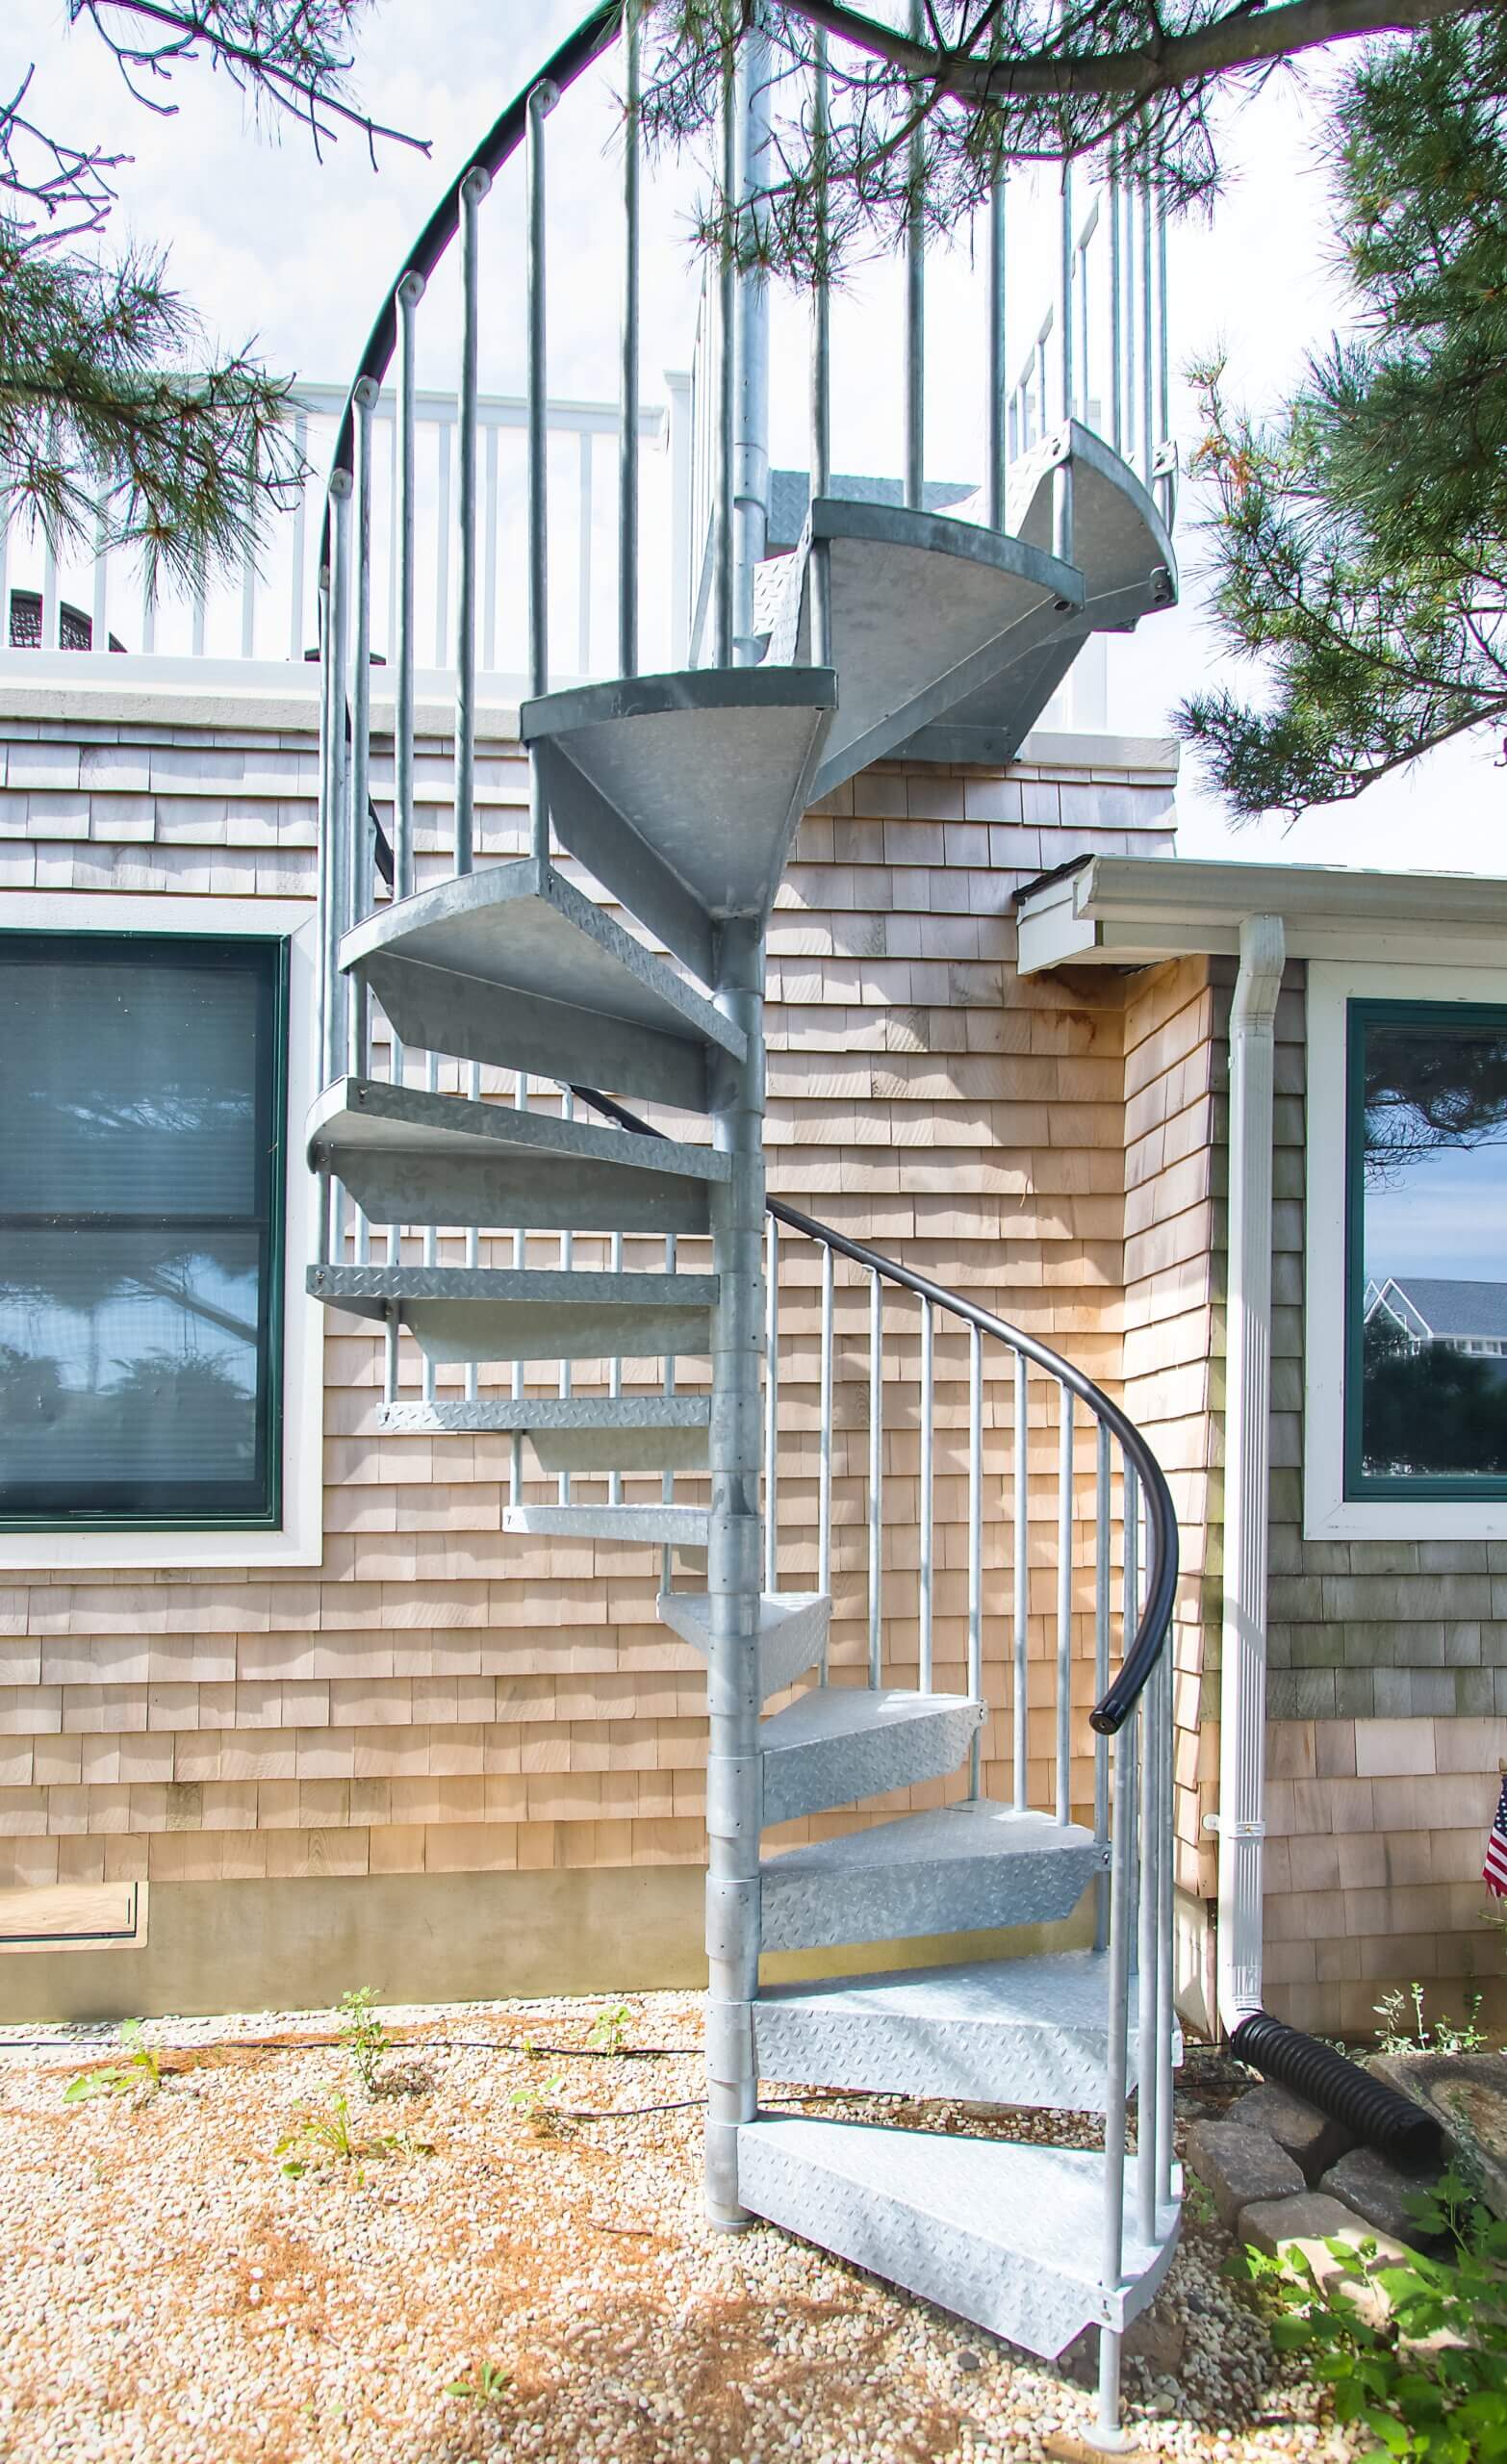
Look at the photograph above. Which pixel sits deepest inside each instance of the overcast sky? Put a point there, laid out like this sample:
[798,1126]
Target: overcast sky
[267,241]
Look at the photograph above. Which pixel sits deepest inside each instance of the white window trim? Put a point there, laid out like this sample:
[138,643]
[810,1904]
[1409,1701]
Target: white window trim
[300,1539]
[1327,1513]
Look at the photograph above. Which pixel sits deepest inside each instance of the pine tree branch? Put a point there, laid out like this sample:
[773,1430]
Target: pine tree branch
[1165,63]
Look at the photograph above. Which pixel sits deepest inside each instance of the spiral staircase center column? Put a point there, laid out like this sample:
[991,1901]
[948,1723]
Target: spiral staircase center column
[734,1560]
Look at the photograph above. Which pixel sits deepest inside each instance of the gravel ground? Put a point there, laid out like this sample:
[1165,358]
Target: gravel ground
[170,2293]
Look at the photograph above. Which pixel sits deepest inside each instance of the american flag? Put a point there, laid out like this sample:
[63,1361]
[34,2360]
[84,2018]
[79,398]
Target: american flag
[1494,1873]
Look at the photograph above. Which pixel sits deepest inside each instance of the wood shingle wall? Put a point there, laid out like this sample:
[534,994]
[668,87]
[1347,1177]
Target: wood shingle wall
[434,1700]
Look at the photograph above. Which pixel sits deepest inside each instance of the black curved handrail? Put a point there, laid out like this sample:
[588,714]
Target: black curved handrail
[1110,1713]
[575,54]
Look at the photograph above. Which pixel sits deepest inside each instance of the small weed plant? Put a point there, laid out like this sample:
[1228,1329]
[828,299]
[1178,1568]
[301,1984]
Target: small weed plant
[608,2030]
[539,2109]
[138,2074]
[1428,2382]
[1404,2028]
[321,2138]
[363,2037]
[487,2384]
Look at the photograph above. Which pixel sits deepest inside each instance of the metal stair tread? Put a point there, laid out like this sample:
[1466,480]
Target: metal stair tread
[681,1526]
[1123,549]
[948,1870]
[941,1834]
[527,1412]
[514,966]
[924,609]
[1004,2233]
[828,1712]
[1032,2031]
[838,1744]
[476,1314]
[681,792]
[411,1156]
[792,1631]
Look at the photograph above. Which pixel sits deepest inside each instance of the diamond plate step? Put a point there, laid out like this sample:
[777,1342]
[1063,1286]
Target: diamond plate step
[1009,2032]
[953,1869]
[924,610]
[408,1155]
[681,793]
[577,1432]
[675,1526]
[514,966]
[839,1743]
[508,1313]
[791,1637]
[1005,2235]
[1124,551]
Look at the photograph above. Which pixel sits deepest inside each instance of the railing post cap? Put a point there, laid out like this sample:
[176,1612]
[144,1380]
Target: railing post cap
[542,99]
[341,483]
[477,182]
[411,289]
[365,392]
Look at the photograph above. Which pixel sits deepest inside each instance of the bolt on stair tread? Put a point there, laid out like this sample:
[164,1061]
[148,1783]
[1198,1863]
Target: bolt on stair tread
[1008,2235]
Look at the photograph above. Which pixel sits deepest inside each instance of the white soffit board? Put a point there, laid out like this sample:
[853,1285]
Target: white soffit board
[1132,910]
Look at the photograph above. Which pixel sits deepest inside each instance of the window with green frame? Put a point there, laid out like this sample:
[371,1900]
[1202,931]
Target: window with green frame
[1425,1383]
[141,1133]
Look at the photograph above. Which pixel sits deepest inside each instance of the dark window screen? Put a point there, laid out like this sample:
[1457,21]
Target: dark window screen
[140,1134]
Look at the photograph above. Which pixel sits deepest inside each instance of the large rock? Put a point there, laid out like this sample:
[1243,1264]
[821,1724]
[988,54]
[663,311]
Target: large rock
[1312,2140]
[1467,2095]
[1306,2225]
[1239,2167]
[1379,2191]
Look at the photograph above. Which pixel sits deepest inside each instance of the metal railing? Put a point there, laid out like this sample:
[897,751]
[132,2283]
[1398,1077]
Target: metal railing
[1129,1700]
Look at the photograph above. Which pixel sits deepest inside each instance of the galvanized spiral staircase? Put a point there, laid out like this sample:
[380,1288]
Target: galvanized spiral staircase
[677,797]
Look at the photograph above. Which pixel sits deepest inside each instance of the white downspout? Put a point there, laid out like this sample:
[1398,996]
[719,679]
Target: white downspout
[1247,1473]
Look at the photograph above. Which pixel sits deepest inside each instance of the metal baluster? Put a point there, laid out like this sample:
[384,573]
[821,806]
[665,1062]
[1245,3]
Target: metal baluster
[1147,372]
[392,1331]
[540,102]
[148,608]
[50,628]
[1064,1606]
[726,382]
[410,290]
[296,641]
[1102,1536]
[474,1245]
[338,1014]
[248,609]
[998,425]
[201,611]
[1117,2066]
[615,1369]
[628,440]
[824,1511]
[923,1582]
[520,1236]
[667,1480]
[1146,1984]
[473,190]
[821,371]
[1116,278]
[1169,482]
[916,297]
[876,1477]
[326,839]
[1020,1707]
[1132,337]
[363,864]
[431,1235]
[974,1544]
[771,1401]
[1165,2020]
[1063,310]
[567,1261]
[1130,1515]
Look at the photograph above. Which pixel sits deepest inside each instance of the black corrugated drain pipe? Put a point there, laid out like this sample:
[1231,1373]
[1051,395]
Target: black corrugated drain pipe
[1378,2115]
